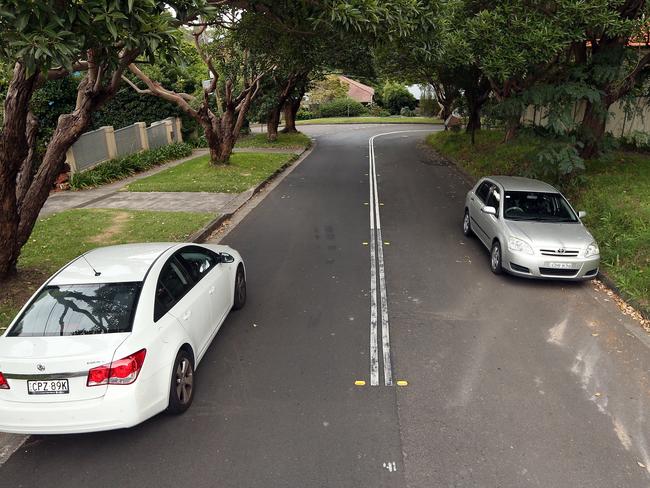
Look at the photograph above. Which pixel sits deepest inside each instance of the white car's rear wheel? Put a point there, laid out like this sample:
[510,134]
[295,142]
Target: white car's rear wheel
[181,392]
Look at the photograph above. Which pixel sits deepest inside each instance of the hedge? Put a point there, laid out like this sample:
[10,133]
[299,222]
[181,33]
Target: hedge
[342,107]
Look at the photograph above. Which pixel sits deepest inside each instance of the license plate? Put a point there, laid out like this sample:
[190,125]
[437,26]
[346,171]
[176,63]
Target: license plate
[49,387]
[562,265]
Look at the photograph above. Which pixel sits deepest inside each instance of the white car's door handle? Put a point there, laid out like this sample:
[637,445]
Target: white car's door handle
[211,290]
[187,315]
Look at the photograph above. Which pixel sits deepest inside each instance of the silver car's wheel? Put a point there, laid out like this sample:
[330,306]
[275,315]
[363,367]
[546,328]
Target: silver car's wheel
[495,258]
[467,225]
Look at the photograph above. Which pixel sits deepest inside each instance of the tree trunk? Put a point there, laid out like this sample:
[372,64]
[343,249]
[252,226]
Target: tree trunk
[512,126]
[13,151]
[474,119]
[592,129]
[272,124]
[291,108]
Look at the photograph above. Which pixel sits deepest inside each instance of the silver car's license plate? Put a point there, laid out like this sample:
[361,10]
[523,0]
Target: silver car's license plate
[50,387]
[562,265]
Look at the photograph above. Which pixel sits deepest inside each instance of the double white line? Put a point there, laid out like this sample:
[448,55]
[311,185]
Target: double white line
[377,270]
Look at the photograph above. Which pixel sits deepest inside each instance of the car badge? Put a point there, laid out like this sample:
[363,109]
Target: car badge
[561,250]
[40,367]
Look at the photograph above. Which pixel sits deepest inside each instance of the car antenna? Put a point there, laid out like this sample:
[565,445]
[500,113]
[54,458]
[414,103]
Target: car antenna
[97,273]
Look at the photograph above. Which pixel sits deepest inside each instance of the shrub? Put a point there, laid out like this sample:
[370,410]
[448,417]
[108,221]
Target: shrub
[117,169]
[636,140]
[304,114]
[377,111]
[395,96]
[342,107]
[407,112]
[559,164]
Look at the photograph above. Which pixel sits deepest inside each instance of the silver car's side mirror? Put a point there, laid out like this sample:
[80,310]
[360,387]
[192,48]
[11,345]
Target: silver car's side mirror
[582,214]
[489,210]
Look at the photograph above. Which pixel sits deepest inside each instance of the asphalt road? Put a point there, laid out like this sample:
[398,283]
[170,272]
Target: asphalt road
[511,383]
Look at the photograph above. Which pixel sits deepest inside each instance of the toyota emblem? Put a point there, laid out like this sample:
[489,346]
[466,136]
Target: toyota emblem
[40,367]
[561,250]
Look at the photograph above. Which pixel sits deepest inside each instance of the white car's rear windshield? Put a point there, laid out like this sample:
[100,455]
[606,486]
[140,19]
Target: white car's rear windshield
[537,206]
[69,310]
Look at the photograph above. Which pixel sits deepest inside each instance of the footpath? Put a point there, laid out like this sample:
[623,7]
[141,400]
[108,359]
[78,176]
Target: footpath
[113,195]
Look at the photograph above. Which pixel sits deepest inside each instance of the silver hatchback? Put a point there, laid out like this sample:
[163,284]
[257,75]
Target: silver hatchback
[530,229]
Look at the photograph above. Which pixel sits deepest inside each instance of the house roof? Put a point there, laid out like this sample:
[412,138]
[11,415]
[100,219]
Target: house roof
[358,91]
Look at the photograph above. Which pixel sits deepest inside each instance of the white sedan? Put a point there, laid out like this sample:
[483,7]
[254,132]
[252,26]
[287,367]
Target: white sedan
[115,336]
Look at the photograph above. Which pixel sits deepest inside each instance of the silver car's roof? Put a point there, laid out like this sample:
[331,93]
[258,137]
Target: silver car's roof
[518,183]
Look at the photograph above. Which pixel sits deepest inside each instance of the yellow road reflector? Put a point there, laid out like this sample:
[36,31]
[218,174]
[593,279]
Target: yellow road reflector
[365,203]
[381,204]
[360,383]
[365,243]
[402,383]
[386,243]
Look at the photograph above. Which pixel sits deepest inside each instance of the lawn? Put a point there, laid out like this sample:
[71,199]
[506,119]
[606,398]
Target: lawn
[296,140]
[244,171]
[59,238]
[371,120]
[615,196]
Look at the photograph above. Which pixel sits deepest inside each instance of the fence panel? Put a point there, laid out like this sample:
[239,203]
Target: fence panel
[157,133]
[127,140]
[90,149]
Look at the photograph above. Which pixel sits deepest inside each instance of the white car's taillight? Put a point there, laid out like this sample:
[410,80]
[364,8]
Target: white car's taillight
[121,372]
[3,382]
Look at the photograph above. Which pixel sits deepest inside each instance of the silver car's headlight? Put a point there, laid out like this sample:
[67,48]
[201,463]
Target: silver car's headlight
[517,245]
[592,250]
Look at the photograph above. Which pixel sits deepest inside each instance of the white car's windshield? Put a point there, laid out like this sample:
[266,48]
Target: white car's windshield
[537,206]
[79,309]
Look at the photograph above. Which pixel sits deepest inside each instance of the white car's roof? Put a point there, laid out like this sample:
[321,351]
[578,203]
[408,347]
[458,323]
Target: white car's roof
[116,264]
[518,183]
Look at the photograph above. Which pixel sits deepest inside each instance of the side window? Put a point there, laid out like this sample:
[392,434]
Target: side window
[482,190]
[494,197]
[173,284]
[198,261]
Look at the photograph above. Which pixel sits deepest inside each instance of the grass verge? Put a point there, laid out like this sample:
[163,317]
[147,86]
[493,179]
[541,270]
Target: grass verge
[296,140]
[61,237]
[120,168]
[371,120]
[615,196]
[244,171]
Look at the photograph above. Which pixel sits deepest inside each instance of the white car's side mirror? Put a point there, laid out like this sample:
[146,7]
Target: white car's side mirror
[489,210]
[582,214]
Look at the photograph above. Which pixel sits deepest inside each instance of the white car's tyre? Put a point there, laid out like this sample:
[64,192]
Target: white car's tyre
[181,392]
[240,289]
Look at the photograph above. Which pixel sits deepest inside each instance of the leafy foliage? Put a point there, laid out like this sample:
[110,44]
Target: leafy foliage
[395,96]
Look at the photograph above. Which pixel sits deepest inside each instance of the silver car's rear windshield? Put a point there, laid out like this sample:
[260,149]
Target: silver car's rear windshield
[69,310]
[537,206]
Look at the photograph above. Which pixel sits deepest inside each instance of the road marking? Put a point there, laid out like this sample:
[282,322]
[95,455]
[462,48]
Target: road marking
[360,383]
[10,443]
[402,383]
[377,269]
[390,466]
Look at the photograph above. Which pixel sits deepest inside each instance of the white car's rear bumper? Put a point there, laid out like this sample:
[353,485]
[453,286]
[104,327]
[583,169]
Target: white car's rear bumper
[118,409]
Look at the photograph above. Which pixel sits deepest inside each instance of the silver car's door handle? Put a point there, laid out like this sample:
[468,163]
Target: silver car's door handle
[187,315]
[211,290]
[471,198]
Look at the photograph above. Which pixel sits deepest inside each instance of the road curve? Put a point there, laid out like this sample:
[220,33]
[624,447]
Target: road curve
[511,383]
